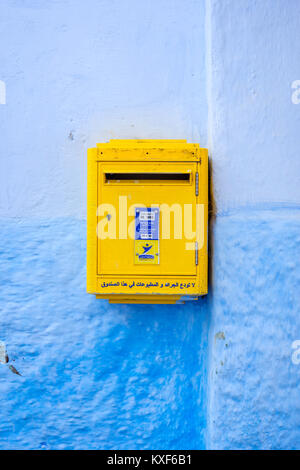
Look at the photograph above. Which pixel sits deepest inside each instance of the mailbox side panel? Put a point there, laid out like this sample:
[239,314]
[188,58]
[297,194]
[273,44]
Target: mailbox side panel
[203,235]
[91,262]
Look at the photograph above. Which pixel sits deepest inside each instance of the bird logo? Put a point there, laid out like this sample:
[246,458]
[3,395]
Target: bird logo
[147,248]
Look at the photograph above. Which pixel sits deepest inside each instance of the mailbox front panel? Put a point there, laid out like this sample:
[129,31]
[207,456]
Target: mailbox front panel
[127,186]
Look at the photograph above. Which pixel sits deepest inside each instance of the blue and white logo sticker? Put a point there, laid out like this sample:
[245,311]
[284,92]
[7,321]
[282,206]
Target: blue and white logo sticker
[146,235]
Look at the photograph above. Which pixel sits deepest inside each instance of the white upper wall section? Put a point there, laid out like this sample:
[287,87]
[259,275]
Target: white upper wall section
[76,73]
[79,72]
[254,125]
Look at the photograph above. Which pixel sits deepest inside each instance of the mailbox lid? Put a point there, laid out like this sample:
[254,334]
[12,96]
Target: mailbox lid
[124,186]
[167,150]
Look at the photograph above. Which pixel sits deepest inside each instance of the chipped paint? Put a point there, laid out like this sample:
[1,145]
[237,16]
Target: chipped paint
[3,354]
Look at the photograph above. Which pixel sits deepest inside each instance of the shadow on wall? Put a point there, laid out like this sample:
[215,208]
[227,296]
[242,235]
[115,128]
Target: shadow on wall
[212,213]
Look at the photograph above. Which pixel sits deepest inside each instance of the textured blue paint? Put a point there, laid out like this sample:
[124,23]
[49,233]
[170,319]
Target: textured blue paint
[93,375]
[217,373]
[254,386]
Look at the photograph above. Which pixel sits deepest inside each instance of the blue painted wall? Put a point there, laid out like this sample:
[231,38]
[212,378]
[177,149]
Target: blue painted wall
[216,374]
[93,375]
[254,127]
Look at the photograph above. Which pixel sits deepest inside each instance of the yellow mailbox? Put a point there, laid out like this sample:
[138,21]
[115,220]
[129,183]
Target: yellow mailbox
[147,221]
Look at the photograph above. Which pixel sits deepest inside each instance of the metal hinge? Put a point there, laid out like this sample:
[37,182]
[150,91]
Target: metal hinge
[197,183]
[196,253]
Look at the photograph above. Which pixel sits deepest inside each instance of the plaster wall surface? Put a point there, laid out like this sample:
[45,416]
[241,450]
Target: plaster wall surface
[215,374]
[253,137]
[93,375]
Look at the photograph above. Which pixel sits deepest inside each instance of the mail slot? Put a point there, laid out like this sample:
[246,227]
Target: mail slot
[147,221]
[147,177]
